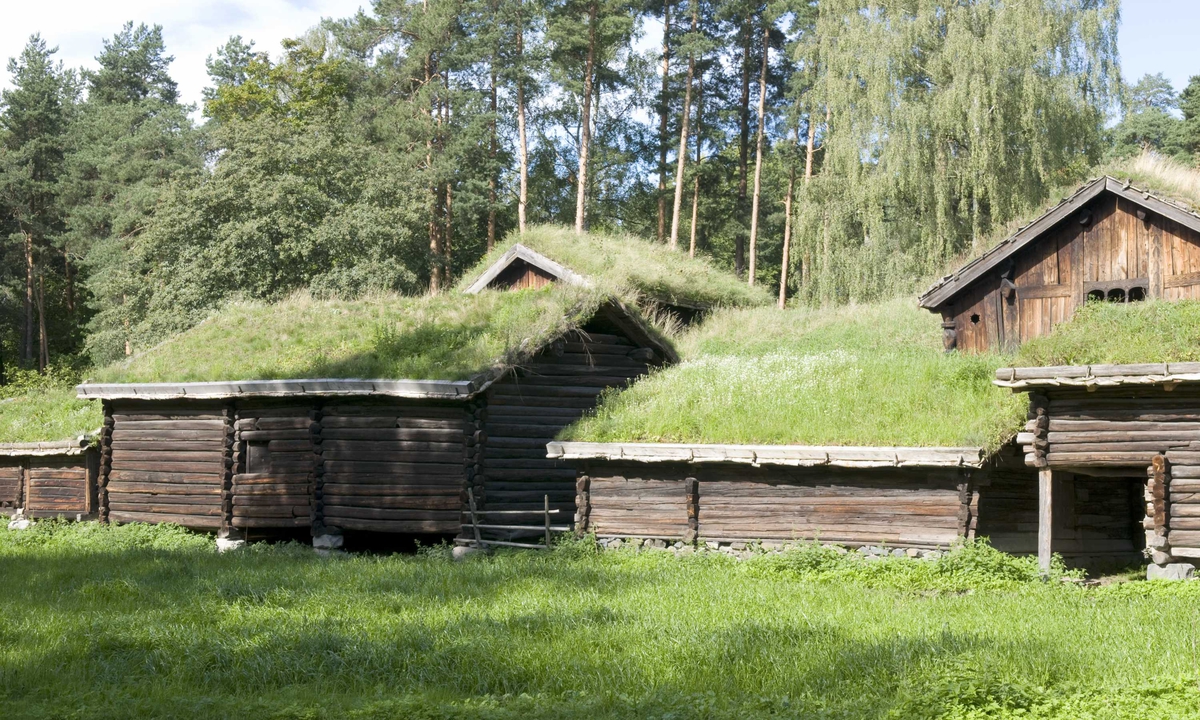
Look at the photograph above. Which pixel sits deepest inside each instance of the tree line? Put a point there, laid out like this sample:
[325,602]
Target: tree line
[839,150]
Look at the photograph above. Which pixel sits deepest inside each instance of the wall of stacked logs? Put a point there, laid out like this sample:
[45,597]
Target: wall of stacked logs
[910,507]
[1172,521]
[50,485]
[528,408]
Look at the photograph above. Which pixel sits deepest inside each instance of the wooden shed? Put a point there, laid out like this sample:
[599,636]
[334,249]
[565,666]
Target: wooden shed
[1109,241]
[396,456]
[1117,448]
[895,496]
[49,479]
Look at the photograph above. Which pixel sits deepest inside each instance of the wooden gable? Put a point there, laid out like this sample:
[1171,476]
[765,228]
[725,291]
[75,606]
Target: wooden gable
[520,268]
[1109,241]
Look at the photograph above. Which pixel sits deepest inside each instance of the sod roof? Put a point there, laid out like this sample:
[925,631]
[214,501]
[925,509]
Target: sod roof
[452,336]
[859,375]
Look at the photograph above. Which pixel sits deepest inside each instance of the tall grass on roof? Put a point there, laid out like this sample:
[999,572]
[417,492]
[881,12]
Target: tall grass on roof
[862,375]
[624,264]
[1102,333]
[444,337]
[45,412]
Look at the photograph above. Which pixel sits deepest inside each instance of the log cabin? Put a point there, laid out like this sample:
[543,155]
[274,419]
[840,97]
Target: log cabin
[1108,241]
[460,453]
[393,456]
[49,479]
[1128,435]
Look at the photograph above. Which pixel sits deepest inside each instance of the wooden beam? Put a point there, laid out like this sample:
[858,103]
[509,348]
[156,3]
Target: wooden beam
[1045,518]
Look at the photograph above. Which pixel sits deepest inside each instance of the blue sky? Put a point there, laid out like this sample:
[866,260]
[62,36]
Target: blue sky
[1160,36]
[1156,35]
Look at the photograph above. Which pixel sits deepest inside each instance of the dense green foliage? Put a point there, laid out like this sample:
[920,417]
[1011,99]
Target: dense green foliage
[1146,332]
[139,621]
[382,152]
[852,375]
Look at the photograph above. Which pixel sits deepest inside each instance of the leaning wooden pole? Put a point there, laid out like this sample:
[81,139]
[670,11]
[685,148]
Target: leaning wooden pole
[683,138]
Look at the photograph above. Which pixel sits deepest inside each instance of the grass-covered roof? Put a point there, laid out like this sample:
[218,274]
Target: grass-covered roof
[863,375]
[1101,333]
[453,336]
[46,413]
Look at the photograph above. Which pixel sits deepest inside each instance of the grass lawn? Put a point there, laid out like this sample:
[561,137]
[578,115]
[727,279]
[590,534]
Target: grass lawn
[851,375]
[150,621]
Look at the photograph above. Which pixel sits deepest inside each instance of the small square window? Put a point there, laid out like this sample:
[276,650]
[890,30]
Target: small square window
[258,457]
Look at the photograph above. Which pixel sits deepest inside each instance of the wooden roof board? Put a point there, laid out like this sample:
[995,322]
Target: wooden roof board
[519,252]
[1097,376]
[950,286]
[76,446]
[415,389]
[787,455]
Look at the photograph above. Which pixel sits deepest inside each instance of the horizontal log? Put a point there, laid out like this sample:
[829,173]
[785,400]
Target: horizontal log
[159,414]
[401,502]
[155,488]
[392,490]
[285,423]
[393,434]
[1183,538]
[212,425]
[1150,448]
[345,511]
[44,475]
[531,474]
[191,521]
[127,499]
[397,526]
[531,401]
[271,478]
[274,511]
[1123,436]
[415,409]
[272,489]
[286,500]
[384,456]
[171,508]
[536,391]
[392,479]
[355,446]
[254,522]
[1131,459]
[214,467]
[273,435]
[1063,425]
[208,455]
[396,468]
[290,446]
[215,445]
[121,434]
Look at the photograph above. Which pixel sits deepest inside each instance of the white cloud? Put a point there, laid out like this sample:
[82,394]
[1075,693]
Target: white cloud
[192,29]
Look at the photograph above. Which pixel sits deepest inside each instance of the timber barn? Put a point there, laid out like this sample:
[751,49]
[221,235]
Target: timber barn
[450,457]
[1133,428]
[1109,241]
[49,479]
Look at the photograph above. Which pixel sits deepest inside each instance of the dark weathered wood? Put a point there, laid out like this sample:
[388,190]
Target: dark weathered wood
[194,521]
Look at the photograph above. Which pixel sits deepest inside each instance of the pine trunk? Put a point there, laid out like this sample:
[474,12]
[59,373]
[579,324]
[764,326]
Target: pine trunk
[743,144]
[696,171]
[662,123]
[586,129]
[43,341]
[758,153]
[523,150]
[683,137]
[787,237]
[810,149]
[491,221]
[448,241]
[27,345]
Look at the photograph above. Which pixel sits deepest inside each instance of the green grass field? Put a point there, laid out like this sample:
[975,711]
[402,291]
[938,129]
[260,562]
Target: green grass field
[141,621]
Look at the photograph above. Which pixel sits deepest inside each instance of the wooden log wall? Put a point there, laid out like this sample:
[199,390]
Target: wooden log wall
[272,486]
[12,481]
[167,463]
[898,506]
[50,486]
[1120,427]
[60,486]
[1174,508]
[394,467]
[528,408]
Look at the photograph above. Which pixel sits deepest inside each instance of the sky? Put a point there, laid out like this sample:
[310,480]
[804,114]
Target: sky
[192,29]
[1155,36]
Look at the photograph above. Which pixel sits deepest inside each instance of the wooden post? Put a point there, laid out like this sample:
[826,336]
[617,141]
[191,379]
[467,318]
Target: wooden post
[105,461]
[474,518]
[692,490]
[1045,518]
[546,515]
[230,459]
[583,504]
[317,516]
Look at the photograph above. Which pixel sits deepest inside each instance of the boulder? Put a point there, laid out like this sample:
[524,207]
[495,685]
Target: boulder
[1172,571]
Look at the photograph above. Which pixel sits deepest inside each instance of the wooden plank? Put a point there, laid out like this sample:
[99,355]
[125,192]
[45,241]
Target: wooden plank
[213,489]
[195,521]
[120,475]
[395,502]
[399,526]
[117,505]
[250,522]
[397,468]
[334,512]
